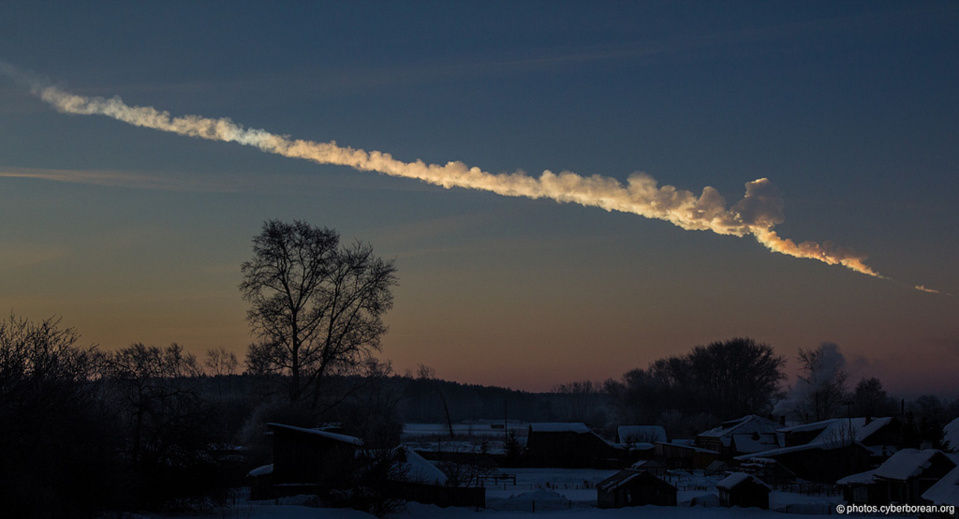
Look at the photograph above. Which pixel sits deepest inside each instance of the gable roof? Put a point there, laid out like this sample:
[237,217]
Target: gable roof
[418,469]
[738,478]
[343,438]
[730,426]
[841,429]
[641,433]
[901,466]
[754,442]
[627,475]
[833,434]
[688,446]
[945,491]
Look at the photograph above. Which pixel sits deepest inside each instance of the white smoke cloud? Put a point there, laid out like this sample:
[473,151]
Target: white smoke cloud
[756,214]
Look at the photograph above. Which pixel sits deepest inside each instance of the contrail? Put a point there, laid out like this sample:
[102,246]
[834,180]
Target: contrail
[756,214]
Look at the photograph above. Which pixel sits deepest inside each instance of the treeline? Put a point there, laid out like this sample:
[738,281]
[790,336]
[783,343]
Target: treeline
[84,430]
[724,380]
[147,428]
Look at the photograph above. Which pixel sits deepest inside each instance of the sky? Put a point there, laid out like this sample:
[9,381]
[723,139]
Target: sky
[848,108]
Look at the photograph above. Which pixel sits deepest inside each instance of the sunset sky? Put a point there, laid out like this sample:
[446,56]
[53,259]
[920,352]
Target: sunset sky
[850,109]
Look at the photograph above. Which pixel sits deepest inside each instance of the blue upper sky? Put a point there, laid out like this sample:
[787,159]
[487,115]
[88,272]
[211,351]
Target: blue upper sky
[850,108]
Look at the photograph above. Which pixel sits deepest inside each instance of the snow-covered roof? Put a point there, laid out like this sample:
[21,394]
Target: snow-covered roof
[950,435]
[901,466]
[755,442]
[622,477]
[418,469]
[353,440]
[641,433]
[574,427]
[730,426]
[262,470]
[906,463]
[835,433]
[841,429]
[861,478]
[617,480]
[646,464]
[684,445]
[946,490]
[737,478]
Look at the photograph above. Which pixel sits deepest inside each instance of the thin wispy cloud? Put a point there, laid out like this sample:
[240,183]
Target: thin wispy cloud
[113,179]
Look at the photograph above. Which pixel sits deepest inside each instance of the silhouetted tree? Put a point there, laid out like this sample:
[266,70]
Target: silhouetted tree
[821,389]
[870,399]
[930,416]
[316,305]
[220,362]
[580,401]
[722,380]
[167,425]
[56,440]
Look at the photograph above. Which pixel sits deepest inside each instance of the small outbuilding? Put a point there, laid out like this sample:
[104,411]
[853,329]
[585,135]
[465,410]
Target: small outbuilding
[631,487]
[315,456]
[745,490]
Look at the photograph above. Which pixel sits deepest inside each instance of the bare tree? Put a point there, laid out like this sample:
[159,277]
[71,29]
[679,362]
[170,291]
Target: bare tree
[870,399]
[155,391]
[316,305]
[822,383]
[424,372]
[221,362]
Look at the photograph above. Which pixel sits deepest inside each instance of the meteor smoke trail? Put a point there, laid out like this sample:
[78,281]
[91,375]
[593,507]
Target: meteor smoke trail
[759,211]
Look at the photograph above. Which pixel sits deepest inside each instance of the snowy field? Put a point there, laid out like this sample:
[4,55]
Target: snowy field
[413,510]
[552,493]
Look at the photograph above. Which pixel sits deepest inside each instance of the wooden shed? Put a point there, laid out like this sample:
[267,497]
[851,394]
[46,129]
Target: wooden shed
[745,490]
[631,487]
[311,456]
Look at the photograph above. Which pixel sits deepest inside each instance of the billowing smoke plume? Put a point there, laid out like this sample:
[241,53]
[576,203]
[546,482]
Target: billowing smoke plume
[821,387]
[759,211]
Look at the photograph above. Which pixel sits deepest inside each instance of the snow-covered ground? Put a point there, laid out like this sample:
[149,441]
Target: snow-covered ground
[576,486]
[414,510]
[558,493]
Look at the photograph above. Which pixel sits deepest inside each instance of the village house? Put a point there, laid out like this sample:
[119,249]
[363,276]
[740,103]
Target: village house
[745,435]
[903,478]
[683,455]
[634,487]
[744,490]
[881,436]
[827,450]
[571,445]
